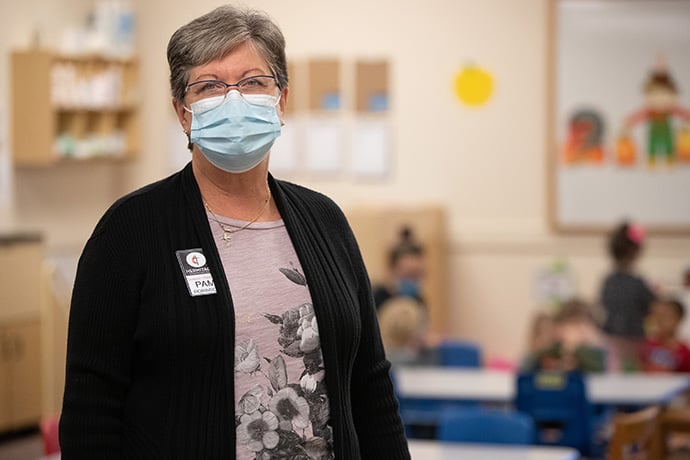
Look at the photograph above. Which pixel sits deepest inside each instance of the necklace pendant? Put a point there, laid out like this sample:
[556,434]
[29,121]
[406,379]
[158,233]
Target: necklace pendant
[227,237]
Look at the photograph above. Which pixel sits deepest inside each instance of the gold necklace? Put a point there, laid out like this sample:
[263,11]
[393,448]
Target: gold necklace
[228,231]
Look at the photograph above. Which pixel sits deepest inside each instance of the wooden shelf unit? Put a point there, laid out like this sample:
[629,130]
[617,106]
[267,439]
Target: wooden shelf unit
[89,103]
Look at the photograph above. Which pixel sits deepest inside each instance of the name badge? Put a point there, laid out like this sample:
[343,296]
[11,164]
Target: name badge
[196,272]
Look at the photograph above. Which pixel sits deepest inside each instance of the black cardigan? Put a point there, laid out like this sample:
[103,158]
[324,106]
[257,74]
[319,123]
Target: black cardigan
[150,368]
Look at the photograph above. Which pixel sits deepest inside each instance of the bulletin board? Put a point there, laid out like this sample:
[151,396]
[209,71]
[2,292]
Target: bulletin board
[619,114]
[371,80]
[324,85]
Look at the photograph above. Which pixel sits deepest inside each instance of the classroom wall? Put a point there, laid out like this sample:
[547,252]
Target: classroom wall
[63,201]
[486,166]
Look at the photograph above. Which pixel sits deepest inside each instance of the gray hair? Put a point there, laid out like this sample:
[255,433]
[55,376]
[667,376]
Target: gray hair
[215,34]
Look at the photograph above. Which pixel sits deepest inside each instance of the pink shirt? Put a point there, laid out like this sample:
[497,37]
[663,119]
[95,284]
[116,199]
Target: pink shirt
[282,407]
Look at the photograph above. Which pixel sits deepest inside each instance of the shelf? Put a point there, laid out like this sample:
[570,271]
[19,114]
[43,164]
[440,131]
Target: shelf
[69,106]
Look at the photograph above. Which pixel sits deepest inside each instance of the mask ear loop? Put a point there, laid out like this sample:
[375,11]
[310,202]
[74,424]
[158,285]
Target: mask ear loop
[280,95]
[189,137]
[278,100]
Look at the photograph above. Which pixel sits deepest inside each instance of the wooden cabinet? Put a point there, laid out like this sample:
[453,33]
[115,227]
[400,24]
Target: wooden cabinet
[21,257]
[5,383]
[66,108]
[55,300]
[20,331]
[20,374]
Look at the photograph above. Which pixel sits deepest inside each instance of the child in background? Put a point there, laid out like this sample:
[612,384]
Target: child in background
[626,299]
[404,326]
[541,333]
[684,294]
[406,270]
[576,343]
[663,351]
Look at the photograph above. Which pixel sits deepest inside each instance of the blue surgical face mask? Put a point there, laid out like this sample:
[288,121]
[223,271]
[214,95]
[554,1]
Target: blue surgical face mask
[408,288]
[238,134]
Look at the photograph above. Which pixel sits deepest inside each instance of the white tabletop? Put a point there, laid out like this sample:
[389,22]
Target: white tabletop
[432,450]
[497,386]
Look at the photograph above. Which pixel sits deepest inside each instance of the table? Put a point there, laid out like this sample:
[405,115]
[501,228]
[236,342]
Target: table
[499,387]
[432,450]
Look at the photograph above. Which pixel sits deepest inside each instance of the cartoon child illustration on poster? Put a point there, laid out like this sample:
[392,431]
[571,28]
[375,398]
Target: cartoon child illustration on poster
[661,107]
[583,143]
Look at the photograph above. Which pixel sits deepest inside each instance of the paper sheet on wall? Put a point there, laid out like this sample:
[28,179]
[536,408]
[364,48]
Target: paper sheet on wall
[371,149]
[284,157]
[322,149]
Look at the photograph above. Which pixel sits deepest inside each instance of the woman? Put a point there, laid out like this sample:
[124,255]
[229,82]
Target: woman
[221,261]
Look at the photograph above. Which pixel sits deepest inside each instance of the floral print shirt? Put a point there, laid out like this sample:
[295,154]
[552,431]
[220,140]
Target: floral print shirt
[281,404]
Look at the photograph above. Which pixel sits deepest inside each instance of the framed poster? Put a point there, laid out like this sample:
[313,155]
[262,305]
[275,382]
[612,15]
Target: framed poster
[619,115]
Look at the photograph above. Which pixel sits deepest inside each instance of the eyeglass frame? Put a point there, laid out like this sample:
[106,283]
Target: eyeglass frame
[228,86]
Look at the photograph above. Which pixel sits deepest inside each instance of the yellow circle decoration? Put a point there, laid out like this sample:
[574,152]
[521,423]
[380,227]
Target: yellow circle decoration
[473,85]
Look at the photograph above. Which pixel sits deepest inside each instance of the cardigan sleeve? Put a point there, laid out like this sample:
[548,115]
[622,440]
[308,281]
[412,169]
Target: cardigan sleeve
[102,322]
[374,406]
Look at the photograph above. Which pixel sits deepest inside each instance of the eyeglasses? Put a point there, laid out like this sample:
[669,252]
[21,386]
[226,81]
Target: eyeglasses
[204,95]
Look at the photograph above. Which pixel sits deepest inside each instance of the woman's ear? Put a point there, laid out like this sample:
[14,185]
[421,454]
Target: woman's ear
[282,104]
[183,116]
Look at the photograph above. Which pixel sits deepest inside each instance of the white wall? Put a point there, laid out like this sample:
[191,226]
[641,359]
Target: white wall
[487,166]
[444,150]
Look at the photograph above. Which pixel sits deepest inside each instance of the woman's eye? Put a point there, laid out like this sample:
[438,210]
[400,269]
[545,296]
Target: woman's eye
[252,82]
[207,87]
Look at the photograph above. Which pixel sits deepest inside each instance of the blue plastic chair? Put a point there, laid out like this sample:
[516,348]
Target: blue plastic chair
[457,353]
[562,413]
[488,426]
[419,415]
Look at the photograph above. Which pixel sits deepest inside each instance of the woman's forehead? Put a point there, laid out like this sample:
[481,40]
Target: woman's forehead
[239,63]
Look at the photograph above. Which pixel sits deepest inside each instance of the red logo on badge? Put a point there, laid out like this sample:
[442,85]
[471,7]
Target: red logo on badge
[196,259]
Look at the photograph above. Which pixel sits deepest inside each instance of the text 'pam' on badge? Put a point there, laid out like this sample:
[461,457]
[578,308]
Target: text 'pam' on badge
[196,272]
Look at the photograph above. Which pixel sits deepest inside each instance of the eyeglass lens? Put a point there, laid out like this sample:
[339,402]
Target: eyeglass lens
[206,89]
